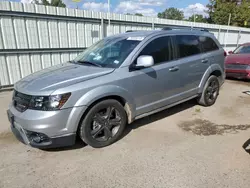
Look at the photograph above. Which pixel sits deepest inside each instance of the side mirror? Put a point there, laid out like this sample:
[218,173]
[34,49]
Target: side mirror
[144,61]
[230,52]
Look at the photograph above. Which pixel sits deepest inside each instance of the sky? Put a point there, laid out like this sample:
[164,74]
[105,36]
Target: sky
[145,7]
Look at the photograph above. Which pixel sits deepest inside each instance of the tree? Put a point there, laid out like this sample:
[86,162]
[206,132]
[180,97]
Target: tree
[172,13]
[138,14]
[55,3]
[198,18]
[219,11]
[243,14]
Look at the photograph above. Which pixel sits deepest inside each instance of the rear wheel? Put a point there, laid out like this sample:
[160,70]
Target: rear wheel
[103,124]
[210,92]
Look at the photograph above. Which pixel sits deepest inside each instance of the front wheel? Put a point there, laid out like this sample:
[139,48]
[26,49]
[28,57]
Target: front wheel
[210,92]
[103,124]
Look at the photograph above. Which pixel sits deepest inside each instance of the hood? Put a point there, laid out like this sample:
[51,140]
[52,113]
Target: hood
[48,80]
[238,58]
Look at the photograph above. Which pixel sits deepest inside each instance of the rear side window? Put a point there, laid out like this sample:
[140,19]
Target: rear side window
[208,44]
[160,49]
[188,45]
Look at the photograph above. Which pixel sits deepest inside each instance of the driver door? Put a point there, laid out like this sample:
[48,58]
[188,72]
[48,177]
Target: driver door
[153,87]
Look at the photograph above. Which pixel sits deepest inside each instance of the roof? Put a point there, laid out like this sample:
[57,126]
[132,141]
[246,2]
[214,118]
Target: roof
[152,32]
[134,34]
[246,44]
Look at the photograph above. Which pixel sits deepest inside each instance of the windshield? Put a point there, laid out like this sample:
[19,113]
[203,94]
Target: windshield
[110,52]
[242,50]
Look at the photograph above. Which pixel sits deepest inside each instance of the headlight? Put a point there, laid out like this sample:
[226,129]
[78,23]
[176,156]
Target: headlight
[48,103]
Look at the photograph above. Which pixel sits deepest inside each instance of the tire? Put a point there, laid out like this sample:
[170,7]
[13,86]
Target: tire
[210,92]
[99,127]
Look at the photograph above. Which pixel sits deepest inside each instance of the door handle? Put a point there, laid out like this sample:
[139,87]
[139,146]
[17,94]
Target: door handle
[204,60]
[173,69]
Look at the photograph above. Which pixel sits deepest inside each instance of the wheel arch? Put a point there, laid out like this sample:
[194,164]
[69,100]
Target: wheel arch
[215,70]
[108,92]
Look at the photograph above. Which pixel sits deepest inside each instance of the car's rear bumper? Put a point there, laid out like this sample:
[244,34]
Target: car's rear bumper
[239,74]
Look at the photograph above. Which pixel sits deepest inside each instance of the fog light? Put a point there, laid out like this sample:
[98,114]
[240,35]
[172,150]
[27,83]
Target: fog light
[37,139]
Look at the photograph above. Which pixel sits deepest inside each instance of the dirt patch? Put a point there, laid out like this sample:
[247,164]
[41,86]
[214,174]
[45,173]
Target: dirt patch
[206,128]
[229,111]
[243,100]
[7,137]
[240,82]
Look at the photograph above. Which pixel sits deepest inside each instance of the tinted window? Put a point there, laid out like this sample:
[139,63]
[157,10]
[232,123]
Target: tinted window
[208,44]
[187,45]
[160,49]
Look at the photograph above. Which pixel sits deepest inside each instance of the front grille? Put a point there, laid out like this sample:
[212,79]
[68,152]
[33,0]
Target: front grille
[21,101]
[237,66]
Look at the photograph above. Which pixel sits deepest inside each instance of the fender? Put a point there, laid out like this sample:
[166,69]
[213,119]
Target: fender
[207,74]
[217,67]
[105,91]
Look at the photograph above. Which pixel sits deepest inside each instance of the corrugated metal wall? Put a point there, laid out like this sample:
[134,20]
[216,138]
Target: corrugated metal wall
[33,37]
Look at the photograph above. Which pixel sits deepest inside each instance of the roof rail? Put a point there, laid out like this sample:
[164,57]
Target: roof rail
[188,28]
[201,29]
[128,31]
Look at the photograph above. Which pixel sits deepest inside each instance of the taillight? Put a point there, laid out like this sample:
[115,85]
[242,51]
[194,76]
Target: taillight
[225,53]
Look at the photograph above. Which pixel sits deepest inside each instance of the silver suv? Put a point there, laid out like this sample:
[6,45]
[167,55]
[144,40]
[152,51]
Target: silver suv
[114,82]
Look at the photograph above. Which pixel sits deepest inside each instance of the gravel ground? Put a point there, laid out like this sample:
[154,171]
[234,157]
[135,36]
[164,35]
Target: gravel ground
[185,146]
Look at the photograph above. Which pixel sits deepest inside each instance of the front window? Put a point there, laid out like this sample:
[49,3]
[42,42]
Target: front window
[242,50]
[160,49]
[109,52]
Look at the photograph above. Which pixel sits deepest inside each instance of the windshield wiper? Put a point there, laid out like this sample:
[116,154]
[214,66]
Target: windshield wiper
[90,63]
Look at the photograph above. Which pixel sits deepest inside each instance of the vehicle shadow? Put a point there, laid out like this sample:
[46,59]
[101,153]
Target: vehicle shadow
[246,146]
[135,125]
[242,81]
[79,144]
[158,116]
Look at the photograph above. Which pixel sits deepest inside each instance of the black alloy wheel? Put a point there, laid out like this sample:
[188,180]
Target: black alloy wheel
[210,92]
[103,124]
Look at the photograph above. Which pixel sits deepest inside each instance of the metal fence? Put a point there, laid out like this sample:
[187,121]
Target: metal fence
[33,37]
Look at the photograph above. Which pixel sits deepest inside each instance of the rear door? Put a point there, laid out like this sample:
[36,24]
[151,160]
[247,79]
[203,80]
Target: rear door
[211,51]
[193,63]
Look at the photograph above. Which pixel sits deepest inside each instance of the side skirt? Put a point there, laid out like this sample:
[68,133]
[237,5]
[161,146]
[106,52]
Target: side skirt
[164,107]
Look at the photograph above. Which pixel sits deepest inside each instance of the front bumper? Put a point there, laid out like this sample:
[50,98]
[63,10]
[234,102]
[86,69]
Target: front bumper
[239,74]
[61,141]
[45,129]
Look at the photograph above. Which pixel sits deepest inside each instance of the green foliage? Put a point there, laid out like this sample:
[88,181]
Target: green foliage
[198,18]
[172,13]
[138,14]
[55,3]
[219,11]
